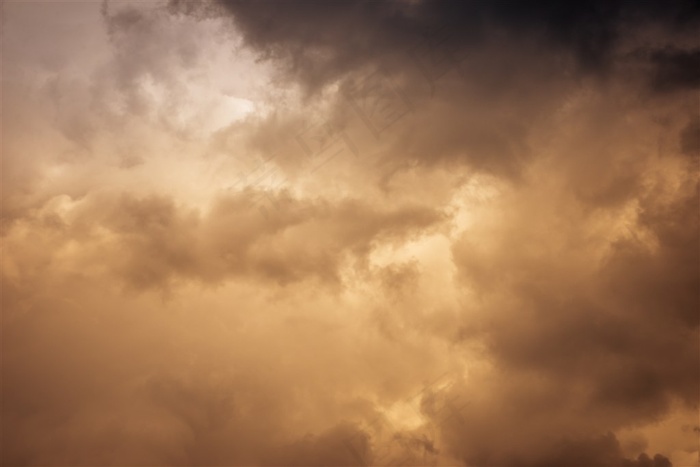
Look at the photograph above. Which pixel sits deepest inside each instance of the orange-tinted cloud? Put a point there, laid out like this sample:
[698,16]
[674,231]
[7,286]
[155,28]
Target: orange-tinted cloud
[384,233]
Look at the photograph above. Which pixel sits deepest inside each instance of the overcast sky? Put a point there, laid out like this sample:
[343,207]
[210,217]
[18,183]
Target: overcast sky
[408,232]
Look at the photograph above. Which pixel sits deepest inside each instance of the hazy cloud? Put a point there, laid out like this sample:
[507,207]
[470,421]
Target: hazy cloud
[350,233]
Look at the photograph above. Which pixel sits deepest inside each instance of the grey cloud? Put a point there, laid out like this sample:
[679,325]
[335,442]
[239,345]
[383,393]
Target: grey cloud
[675,70]
[322,42]
[484,79]
[690,138]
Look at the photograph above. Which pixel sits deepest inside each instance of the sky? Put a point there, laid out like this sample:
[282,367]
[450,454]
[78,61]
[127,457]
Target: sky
[311,233]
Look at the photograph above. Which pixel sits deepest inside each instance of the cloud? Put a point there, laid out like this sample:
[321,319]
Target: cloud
[481,80]
[414,233]
[319,47]
[676,69]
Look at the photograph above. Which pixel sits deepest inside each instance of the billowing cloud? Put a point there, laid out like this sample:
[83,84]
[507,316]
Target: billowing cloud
[351,233]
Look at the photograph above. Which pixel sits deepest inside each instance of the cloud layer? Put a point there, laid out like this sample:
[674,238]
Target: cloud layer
[351,233]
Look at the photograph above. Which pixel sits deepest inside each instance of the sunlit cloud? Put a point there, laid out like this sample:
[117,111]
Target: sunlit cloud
[350,233]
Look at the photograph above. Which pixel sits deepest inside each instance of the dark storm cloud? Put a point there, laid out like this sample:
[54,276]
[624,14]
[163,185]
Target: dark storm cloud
[690,138]
[482,78]
[675,70]
[322,41]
